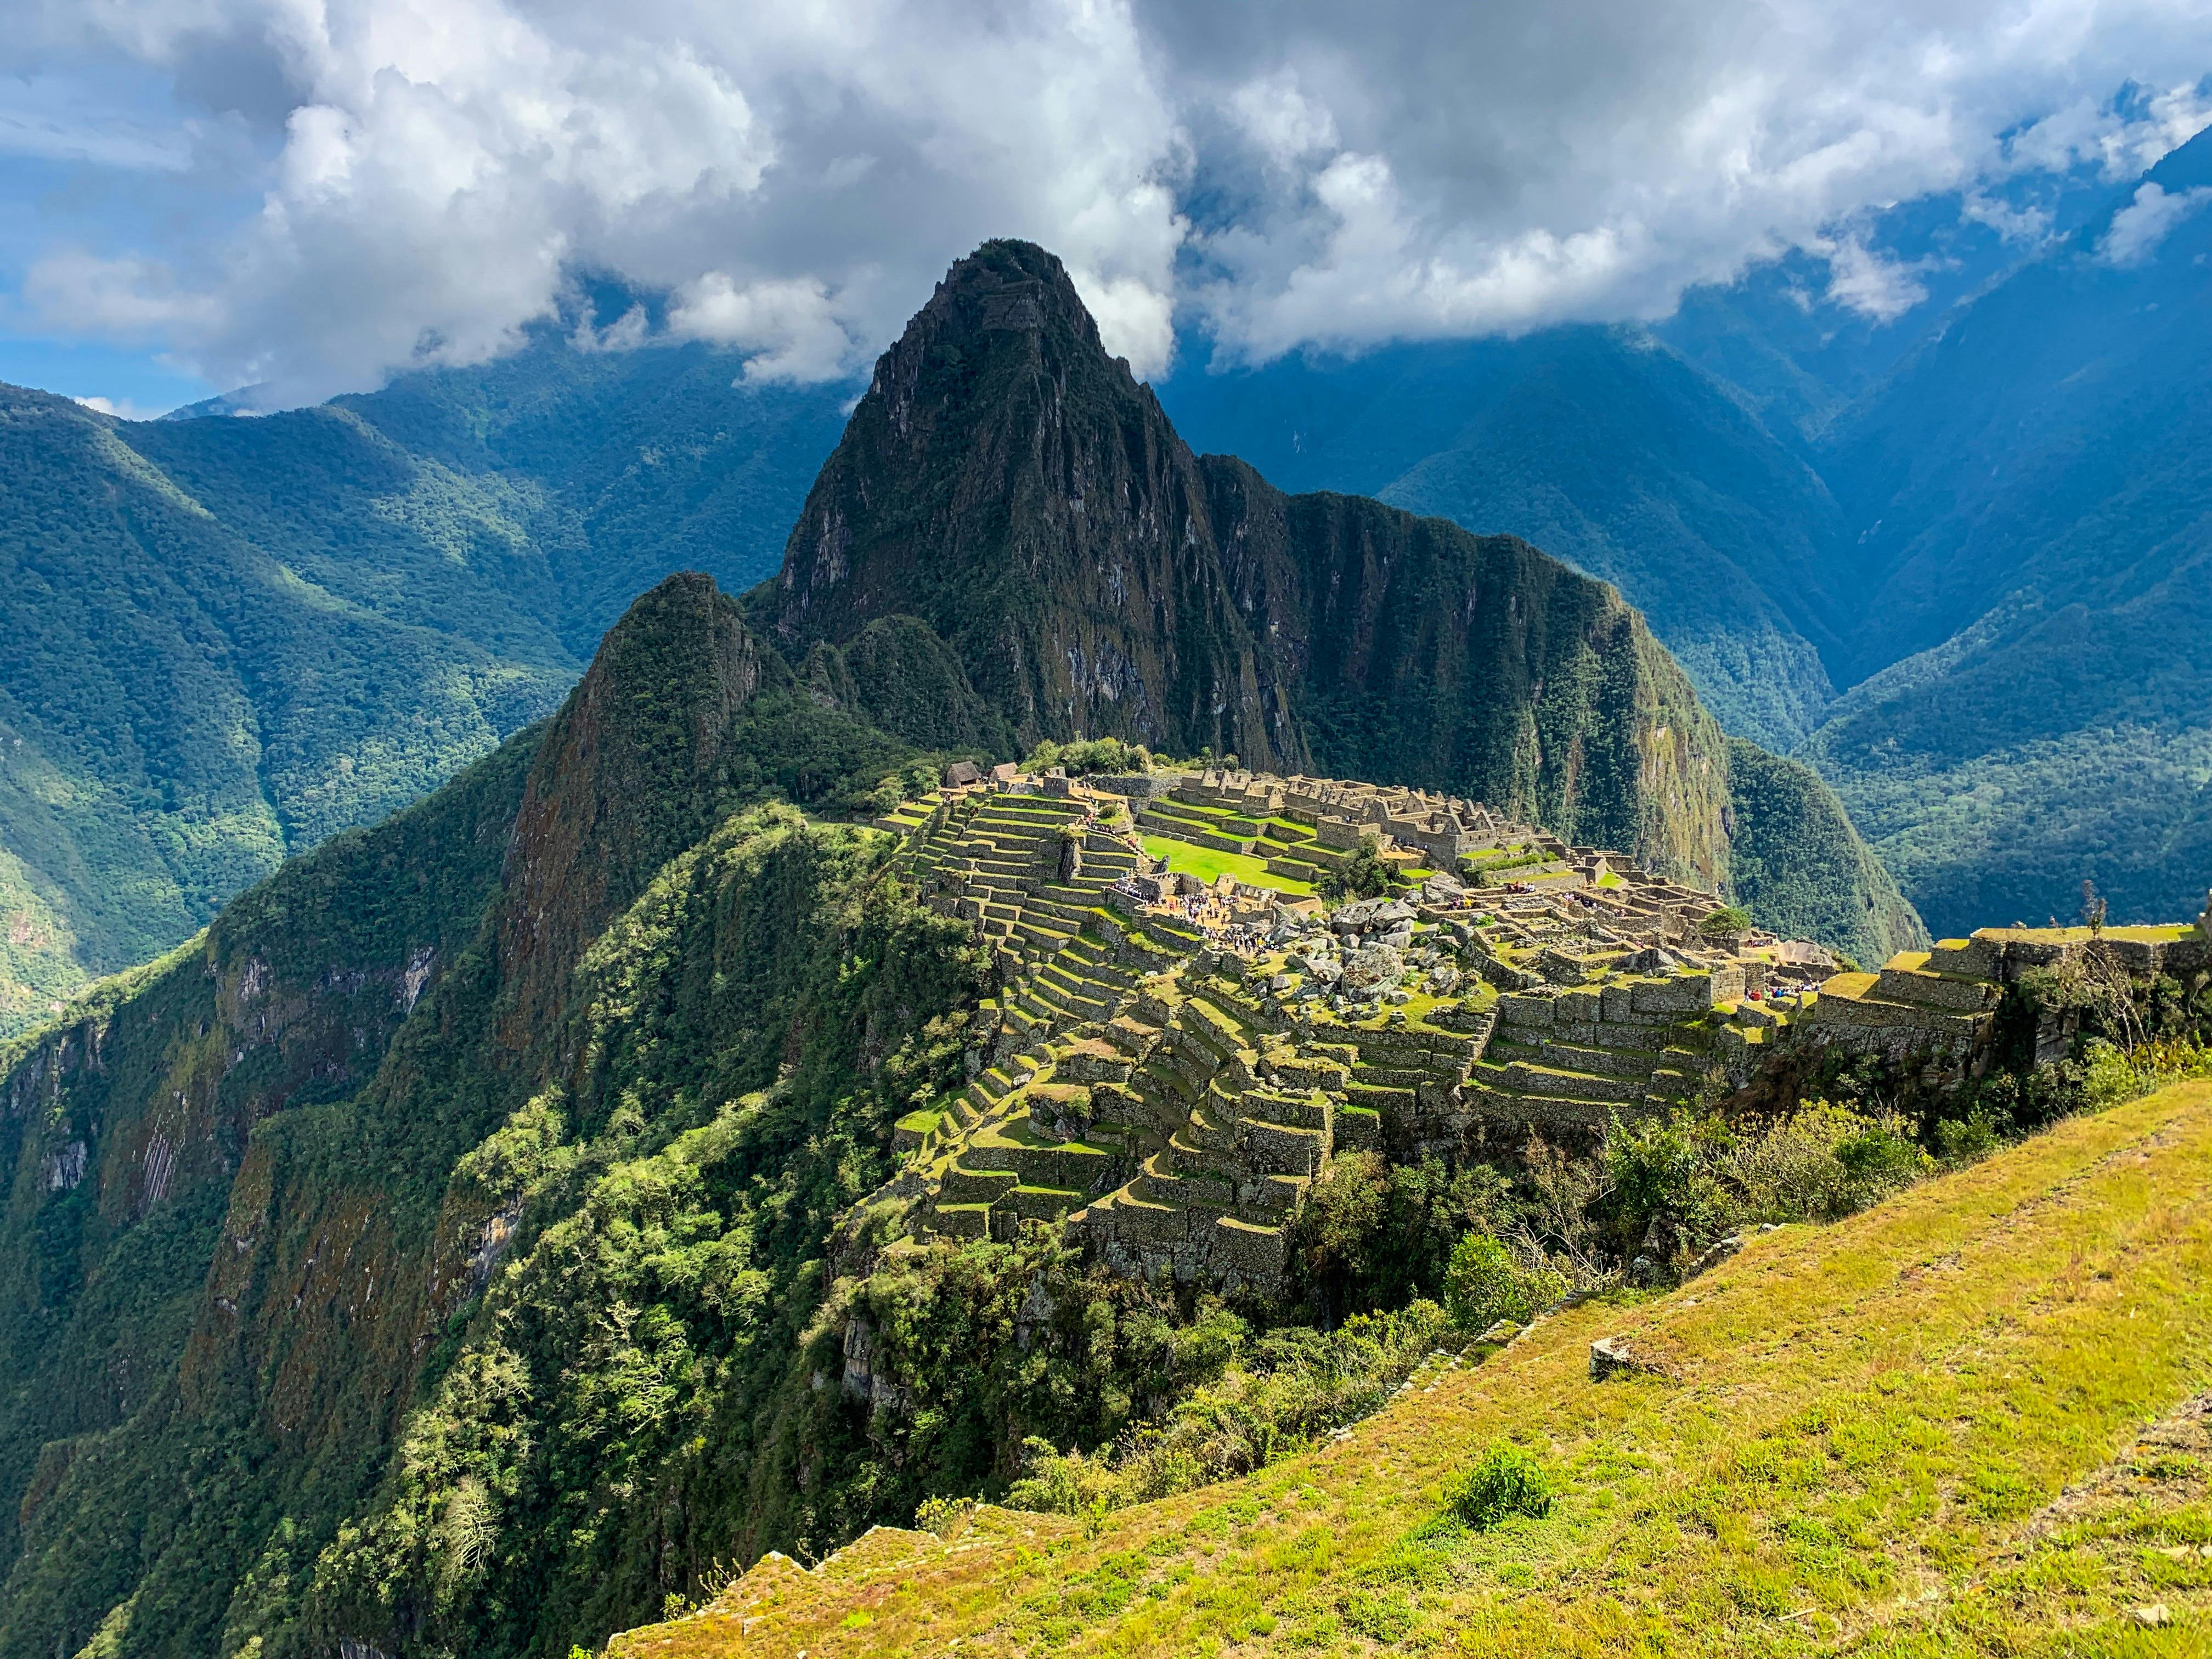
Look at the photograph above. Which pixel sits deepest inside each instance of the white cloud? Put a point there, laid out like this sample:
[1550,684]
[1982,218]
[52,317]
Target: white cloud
[1501,168]
[430,177]
[790,328]
[2013,224]
[121,408]
[1863,280]
[436,172]
[2137,230]
[126,299]
[1278,117]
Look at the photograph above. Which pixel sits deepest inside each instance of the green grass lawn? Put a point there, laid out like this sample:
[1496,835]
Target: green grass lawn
[1210,865]
[1960,1423]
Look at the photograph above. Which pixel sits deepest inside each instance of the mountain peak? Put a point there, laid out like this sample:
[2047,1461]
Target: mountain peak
[1018,490]
[1007,287]
[1015,488]
[625,778]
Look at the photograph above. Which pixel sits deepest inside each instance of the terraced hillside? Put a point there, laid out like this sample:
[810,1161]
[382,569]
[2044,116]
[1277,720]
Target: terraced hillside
[1846,1440]
[1179,1053]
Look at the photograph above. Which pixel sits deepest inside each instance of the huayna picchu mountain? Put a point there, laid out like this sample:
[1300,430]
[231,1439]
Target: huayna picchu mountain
[517,1213]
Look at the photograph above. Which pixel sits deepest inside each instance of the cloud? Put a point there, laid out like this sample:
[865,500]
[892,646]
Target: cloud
[127,299]
[428,178]
[2137,230]
[57,119]
[1861,279]
[2013,224]
[121,408]
[1413,171]
[789,328]
[2121,138]
[434,173]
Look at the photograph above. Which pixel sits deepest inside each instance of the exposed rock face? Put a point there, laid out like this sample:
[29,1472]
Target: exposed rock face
[1017,489]
[1011,484]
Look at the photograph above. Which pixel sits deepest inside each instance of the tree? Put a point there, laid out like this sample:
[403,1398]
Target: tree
[1364,875]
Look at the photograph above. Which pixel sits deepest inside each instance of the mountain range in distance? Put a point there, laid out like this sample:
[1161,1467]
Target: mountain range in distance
[1956,564]
[1950,563]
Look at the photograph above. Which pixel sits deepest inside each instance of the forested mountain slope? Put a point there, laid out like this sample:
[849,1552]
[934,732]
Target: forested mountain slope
[257,1188]
[2037,568]
[228,638]
[190,689]
[1603,446]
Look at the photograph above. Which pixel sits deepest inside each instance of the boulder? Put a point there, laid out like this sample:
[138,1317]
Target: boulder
[1374,968]
[1612,1356]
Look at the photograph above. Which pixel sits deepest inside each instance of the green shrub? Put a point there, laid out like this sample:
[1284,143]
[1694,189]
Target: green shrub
[947,1517]
[2110,1079]
[1095,755]
[1372,1234]
[1660,1173]
[1485,1283]
[1966,1140]
[1821,1163]
[1508,1481]
[1879,1157]
[1298,1384]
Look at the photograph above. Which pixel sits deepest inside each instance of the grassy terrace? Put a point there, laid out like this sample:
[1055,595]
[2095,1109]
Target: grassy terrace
[1209,865]
[1858,1445]
[2160,933]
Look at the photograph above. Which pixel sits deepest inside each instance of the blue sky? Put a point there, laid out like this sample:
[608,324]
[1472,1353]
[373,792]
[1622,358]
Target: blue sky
[196,195]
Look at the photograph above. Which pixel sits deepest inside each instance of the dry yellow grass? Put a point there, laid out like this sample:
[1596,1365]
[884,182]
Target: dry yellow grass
[1920,1431]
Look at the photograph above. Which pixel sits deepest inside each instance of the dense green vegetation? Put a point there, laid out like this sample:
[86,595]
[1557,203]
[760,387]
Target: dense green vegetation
[1845,1438]
[1800,868]
[229,638]
[650,1334]
[488,1231]
[337,1061]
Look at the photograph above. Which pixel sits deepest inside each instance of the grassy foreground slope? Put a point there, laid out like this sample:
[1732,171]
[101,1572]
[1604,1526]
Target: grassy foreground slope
[1959,1423]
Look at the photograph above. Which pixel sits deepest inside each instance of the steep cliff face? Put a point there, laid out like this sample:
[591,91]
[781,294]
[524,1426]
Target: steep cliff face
[628,776]
[1012,487]
[1422,655]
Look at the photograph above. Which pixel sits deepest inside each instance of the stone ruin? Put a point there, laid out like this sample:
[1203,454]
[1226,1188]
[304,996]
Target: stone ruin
[1173,1060]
